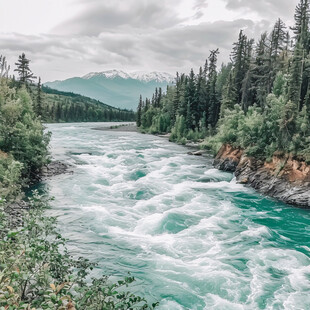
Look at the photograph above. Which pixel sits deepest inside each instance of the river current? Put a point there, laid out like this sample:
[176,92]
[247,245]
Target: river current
[191,236]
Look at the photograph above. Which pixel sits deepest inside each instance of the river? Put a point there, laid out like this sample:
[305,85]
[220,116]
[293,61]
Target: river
[191,236]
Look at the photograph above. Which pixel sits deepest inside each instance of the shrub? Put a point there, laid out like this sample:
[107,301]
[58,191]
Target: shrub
[36,270]
[21,132]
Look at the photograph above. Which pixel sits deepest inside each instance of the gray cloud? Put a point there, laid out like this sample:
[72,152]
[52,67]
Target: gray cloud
[117,15]
[199,6]
[177,48]
[265,8]
[189,46]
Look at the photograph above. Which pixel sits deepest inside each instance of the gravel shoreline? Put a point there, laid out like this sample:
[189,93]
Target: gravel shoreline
[123,128]
[16,209]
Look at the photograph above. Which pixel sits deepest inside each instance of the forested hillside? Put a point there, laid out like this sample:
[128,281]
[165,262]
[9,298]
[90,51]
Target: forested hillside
[259,101]
[61,106]
[58,106]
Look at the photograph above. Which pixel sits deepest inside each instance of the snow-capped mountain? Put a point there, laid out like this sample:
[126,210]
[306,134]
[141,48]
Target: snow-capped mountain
[143,76]
[115,87]
[110,74]
[153,76]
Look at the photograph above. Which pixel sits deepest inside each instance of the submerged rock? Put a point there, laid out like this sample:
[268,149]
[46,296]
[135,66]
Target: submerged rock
[54,168]
[285,177]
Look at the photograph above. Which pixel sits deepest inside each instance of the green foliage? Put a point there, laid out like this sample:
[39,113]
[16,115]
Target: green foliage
[36,270]
[23,70]
[279,85]
[57,106]
[194,98]
[10,177]
[179,130]
[160,123]
[260,101]
[21,132]
[261,133]
[194,135]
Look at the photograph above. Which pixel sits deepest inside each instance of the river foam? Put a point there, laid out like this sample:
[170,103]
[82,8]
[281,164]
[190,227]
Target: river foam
[192,237]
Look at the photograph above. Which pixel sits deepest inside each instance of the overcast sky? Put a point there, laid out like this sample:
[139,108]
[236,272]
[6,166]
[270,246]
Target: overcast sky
[65,38]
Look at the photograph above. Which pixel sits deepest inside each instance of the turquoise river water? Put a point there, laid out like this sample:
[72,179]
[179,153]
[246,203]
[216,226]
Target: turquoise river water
[191,236]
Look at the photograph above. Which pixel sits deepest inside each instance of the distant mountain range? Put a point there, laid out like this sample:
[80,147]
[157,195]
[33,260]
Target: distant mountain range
[116,88]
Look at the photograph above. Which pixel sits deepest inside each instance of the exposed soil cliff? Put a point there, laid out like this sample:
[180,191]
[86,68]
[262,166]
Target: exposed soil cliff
[286,177]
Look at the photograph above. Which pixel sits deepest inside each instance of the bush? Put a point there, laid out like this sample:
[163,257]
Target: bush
[262,132]
[21,132]
[36,270]
[10,177]
[179,130]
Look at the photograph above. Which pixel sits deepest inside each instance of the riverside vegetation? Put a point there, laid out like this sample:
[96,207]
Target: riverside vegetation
[260,101]
[57,106]
[36,270]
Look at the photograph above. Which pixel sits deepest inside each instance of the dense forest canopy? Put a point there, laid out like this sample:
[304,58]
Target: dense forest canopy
[69,107]
[57,106]
[259,101]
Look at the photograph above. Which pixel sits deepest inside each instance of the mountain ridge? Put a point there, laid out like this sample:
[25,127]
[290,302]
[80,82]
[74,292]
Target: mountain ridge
[143,76]
[115,87]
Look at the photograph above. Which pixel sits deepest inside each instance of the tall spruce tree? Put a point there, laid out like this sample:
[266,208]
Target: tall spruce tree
[39,99]
[229,94]
[139,112]
[296,74]
[25,74]
[176,98]
[201,98]
[238,63]
[4,67]
[301,27]
[214,104]
[261,70]
[191,104]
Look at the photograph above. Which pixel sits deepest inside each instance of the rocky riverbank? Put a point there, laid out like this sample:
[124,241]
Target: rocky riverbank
[16,208]
[54,168]
[123,127]
[285,177]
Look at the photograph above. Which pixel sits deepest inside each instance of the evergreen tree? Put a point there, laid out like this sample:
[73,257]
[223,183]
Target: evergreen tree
[262,96]
[247,92]
[278,44]
[287,125]
[4,68]
[176,98]
[261,71]
[214,104]
[183,104]
[229,95]
[279,85]
[201,97]
[238,57]
[192,113]
[301,27]
[25,74]
[39,100]
[295,79]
